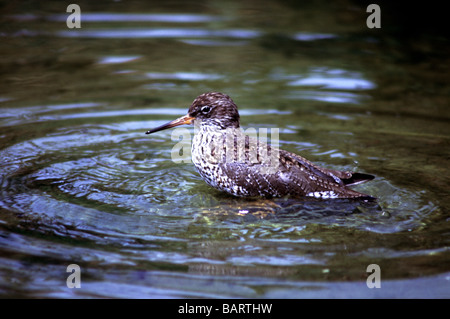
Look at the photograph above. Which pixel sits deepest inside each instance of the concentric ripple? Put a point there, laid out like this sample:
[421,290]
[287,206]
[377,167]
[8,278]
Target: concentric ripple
[86,176]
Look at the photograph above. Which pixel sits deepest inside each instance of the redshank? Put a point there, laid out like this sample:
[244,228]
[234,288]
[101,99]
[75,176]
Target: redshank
[243,166]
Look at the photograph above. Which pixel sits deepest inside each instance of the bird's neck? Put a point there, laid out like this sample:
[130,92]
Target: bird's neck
[215,126]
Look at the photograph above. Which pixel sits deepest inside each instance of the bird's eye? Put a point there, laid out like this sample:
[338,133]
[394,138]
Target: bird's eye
[205,109]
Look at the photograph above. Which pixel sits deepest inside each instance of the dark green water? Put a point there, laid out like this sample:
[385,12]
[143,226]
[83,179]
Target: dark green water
[82,184]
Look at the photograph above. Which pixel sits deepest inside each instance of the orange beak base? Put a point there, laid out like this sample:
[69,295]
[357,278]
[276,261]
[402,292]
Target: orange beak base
[179,121]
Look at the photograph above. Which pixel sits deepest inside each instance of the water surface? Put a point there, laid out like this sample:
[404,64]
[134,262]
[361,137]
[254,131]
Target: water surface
[82,184]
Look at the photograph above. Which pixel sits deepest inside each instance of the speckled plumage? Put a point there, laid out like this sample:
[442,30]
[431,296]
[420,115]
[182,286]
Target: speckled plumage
[232,162]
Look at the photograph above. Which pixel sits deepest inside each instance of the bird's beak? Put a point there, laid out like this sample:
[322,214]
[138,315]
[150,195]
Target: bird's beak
[179,121]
